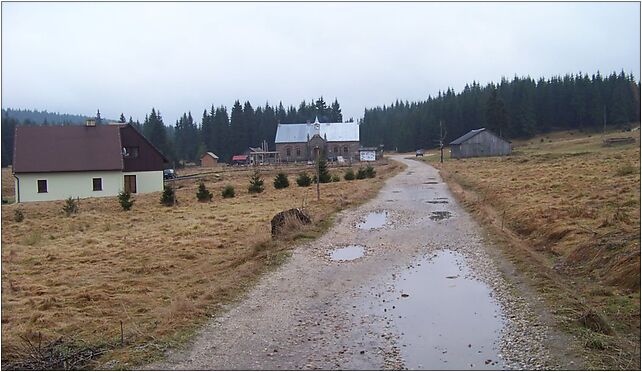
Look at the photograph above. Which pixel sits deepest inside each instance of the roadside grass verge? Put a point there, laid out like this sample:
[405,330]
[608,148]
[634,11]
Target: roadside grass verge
[161,271]
[566,211]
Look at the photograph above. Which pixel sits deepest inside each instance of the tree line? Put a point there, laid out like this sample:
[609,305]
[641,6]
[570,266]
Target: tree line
[219,131]
[517,108]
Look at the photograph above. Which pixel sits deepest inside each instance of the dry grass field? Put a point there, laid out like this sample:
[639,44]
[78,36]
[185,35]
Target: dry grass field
[568,212]
[160,270]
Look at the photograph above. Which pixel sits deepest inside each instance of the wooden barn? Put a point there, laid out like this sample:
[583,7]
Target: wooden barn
[479,142]
[209,159]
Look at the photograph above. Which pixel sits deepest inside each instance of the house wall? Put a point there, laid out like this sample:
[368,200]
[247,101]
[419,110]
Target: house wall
[63,185]
[483,144]
[208,161]
[151,181]
[282,149]
[352,153]
[455,151]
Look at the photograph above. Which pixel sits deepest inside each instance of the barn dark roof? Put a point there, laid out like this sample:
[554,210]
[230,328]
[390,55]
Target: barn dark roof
[67,148]
[467,136]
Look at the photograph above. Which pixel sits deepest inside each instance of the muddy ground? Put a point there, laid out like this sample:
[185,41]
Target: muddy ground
[428,292]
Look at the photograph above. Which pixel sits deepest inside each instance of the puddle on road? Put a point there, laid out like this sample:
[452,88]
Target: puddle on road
[437,201]
[440,215]
[445,319]
[374,220]
[430,183]
[347,253]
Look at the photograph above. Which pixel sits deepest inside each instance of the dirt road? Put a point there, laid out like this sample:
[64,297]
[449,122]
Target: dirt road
[428,293]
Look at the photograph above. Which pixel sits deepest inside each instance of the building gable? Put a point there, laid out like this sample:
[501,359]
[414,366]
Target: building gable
[138,153]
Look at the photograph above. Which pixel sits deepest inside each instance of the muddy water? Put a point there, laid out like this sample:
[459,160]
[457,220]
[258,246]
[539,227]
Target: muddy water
[440,215]
[348,253]
[445,318]
[374,220]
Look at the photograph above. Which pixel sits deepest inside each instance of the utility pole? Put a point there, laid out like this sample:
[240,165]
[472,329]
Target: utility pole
[442,136]
[318,151]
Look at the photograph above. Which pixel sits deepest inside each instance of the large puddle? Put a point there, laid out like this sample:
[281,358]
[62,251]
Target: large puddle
[445,319]
[374,220]
[347,253]
[440,215]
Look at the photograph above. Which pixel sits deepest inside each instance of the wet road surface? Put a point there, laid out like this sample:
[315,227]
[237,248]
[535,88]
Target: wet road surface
[419,292]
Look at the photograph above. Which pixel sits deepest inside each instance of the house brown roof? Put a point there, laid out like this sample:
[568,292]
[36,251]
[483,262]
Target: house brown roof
[71,148]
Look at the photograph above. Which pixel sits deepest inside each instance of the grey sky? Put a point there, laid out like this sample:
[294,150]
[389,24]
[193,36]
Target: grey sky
[128,57]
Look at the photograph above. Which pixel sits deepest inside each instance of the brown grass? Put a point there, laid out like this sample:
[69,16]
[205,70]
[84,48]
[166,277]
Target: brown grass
[570,212]
[161,270]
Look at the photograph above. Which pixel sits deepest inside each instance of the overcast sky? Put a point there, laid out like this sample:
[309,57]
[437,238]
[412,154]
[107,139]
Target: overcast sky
[130,57]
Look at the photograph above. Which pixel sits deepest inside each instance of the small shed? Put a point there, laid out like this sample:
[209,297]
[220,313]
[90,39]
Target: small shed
[479,142]
[240,159]
[209,159]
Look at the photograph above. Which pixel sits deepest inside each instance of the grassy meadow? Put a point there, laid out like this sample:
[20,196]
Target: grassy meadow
[567,210]
[161,271]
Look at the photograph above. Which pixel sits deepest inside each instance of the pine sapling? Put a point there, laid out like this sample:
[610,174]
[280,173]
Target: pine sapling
[125,200]
[256,183]
[203,194]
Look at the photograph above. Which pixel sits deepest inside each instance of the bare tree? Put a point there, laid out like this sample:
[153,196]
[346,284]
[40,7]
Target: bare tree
[442,137]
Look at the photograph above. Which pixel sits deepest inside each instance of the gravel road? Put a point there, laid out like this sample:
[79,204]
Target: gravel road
[429,292]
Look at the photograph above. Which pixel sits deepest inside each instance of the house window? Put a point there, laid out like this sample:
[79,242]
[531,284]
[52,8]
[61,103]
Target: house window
[42,186]
[336,149]
[288,151]
[130,152]
[97,183]
[298,151]
[345,149]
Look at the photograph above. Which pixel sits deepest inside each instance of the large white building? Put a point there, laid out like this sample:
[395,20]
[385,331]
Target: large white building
[302,142]
[58,162]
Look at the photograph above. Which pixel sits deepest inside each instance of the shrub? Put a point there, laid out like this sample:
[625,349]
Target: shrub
[124,198]
[625,170]
[281,181]
[18,215]
[228,192]
[349,175]
[370,172]
[324,175]
[70,207]
[256,183]
[203,194]
[303,180]
[169,196]
[361,173]
[335,178]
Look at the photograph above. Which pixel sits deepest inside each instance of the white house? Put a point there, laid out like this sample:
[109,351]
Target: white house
[57,162]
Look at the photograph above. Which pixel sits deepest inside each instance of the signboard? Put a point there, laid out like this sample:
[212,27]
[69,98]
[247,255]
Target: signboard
[367,155]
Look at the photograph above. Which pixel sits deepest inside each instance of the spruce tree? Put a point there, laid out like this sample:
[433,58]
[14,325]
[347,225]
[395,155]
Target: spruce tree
[281,181]
[168,198]
[256,183]
[324,175]
[203,194]
[124,199]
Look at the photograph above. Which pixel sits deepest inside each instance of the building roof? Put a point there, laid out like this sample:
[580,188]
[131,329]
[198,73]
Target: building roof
[73,148]
[332,132]
[467,136]
[239,157]
[211,154]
